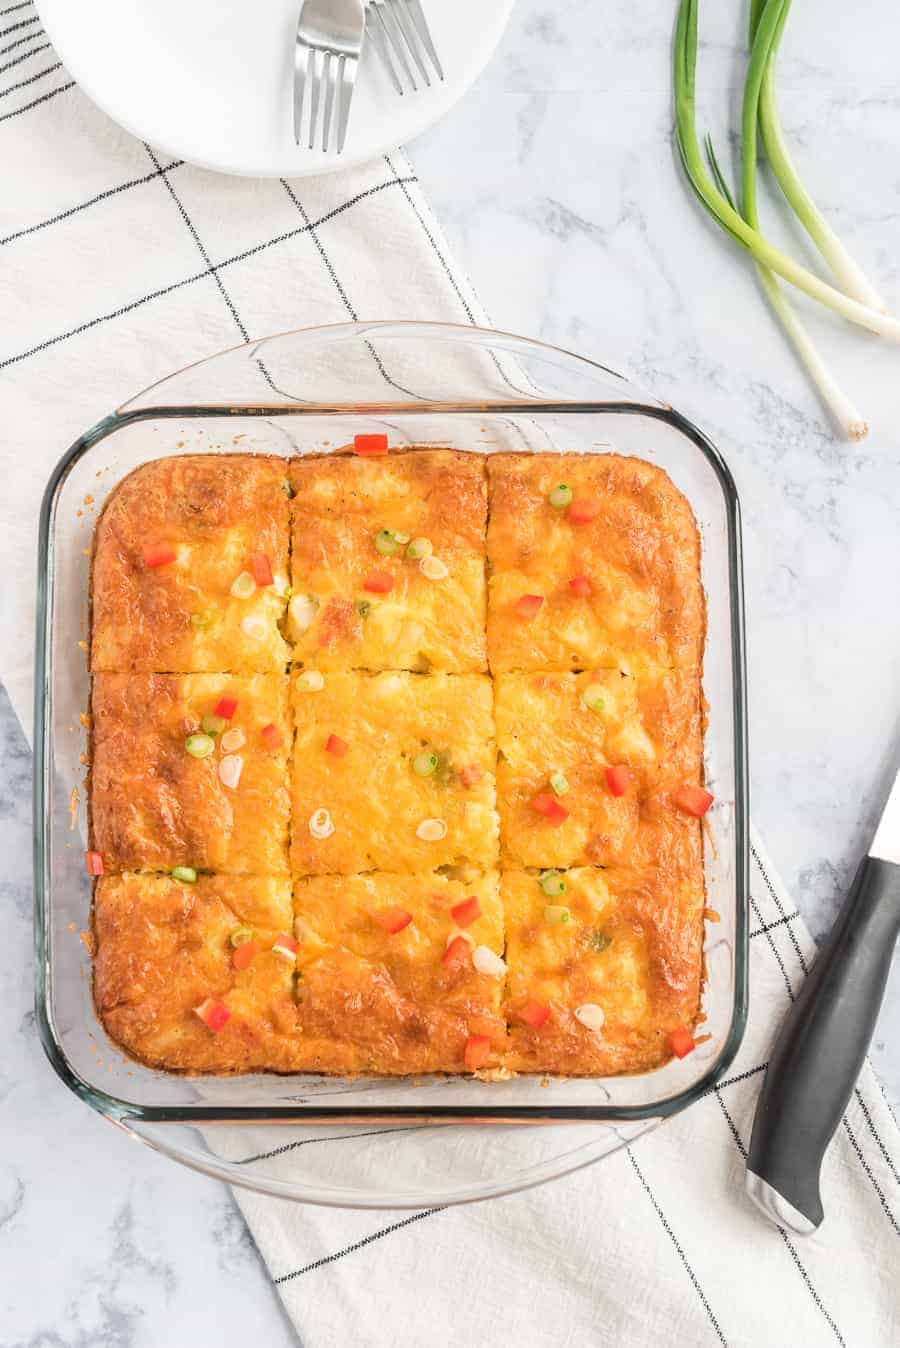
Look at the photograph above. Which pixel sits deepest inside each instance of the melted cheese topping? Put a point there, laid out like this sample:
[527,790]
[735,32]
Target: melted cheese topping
[376,800]
[404,774]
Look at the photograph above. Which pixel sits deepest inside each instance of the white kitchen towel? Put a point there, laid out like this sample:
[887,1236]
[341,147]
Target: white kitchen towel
[117,265]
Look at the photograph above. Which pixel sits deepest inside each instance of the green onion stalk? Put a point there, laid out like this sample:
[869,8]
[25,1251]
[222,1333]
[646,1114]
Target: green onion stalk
[723,210]
[849,275]
[767,19]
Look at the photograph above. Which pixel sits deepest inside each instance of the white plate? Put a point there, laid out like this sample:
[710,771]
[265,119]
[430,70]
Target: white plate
[210,80]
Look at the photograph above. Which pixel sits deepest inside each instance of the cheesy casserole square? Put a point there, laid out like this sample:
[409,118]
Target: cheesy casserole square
[388,562]
[397,972]
[163,949]
[191,567]
[392,772]
[178,782]
[606,578]
[560,735]
[602,969]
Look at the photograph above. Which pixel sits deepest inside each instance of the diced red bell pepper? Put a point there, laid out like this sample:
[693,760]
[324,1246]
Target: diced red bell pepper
[158,554]
[477,1051]
[378,582]
[465,912]
[392,919]
[272,736]
[550,808]
[93,863]
[693,799]
[581,586]
[368,445]
[582,512]
[681,1041]
[226,707]
[529,606]
[470,775]
[457,954]
[534,1013]
[243,955]
[262,570]
[335,745]
[213,1014]
[618,779]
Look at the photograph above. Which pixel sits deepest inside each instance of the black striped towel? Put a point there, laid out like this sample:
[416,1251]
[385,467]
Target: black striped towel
[119,265]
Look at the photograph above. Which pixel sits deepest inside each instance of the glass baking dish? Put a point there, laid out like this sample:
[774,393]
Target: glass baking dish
[312,390]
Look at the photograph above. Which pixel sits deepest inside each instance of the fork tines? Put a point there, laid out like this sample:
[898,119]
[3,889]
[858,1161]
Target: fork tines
[326,55]
[334,72]
[399,30]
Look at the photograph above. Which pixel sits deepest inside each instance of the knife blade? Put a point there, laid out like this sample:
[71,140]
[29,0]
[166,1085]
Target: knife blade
[823,1042]
[886,843]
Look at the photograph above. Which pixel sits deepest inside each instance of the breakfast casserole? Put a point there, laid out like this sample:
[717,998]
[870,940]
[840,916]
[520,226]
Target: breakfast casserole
[396,764]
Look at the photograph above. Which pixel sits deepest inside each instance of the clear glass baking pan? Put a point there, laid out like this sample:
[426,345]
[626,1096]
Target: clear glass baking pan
[400,1143]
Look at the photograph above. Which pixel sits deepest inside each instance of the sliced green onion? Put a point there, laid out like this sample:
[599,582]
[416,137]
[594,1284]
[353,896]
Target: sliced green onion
[559,784]
[205,618]
[386,543]
[311,681]
[240,936]
[419,547]
[552,883]
[433,568]
[186,874]
[556,913]
[599,941]
[402,539]
[425,765]
[594,697]
[561,496]
[363,606]
[198,746]
[244,586]
[213,725]
[718,206]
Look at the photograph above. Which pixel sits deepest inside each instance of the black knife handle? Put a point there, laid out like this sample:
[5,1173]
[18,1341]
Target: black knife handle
[820,1050]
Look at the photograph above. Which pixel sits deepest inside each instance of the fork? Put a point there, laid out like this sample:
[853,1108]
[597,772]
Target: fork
[326,55]
[395,28]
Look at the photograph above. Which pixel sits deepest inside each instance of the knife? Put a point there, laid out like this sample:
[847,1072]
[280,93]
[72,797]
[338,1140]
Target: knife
[822,1044]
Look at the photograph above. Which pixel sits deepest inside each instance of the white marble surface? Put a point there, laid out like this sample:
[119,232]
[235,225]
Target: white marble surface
[556,183]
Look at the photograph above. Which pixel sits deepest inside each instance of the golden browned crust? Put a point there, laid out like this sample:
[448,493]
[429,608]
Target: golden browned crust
[604,676]
[215,512]
[155,807]
[422,622]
